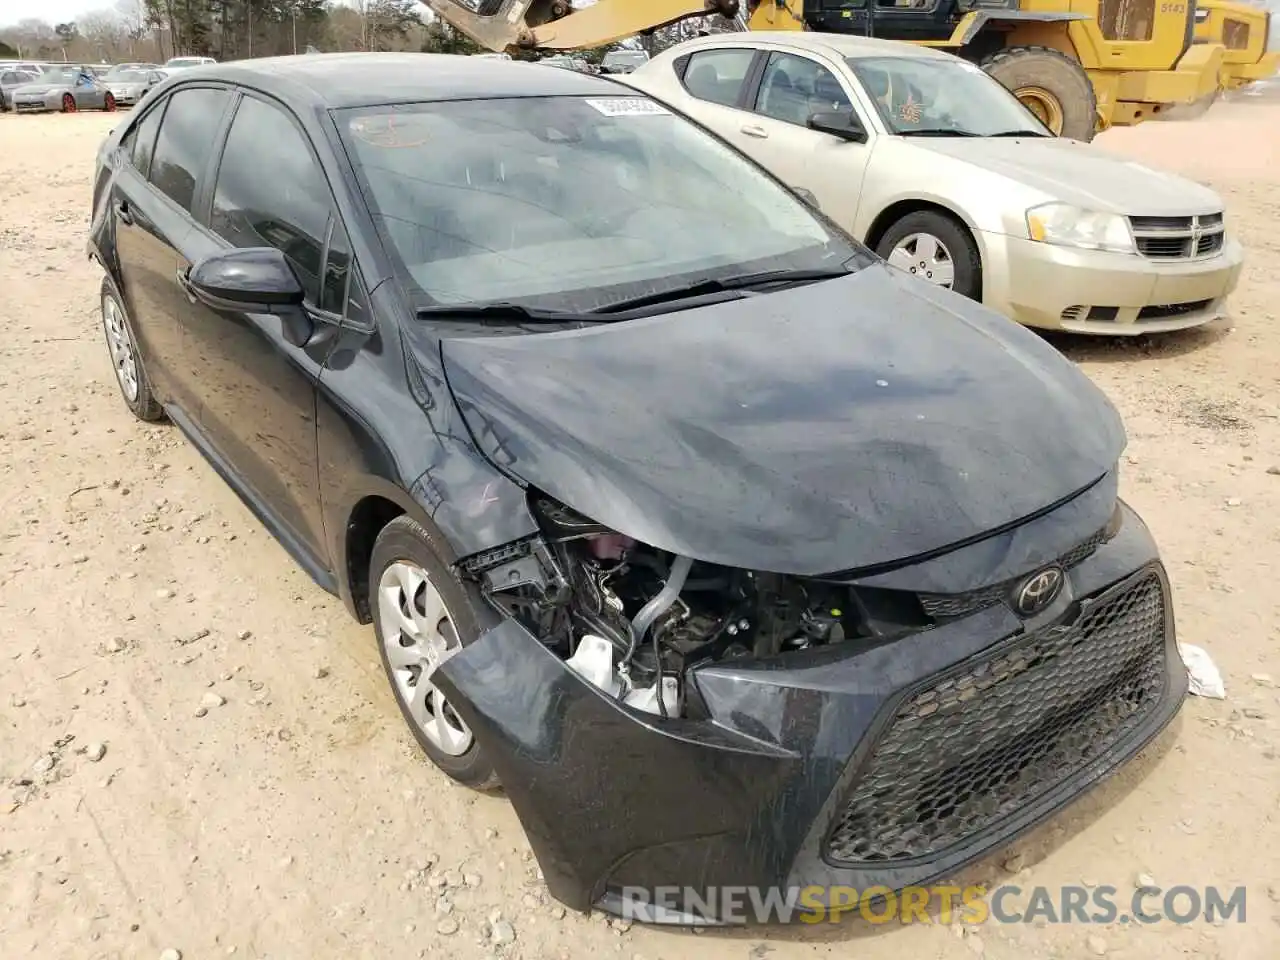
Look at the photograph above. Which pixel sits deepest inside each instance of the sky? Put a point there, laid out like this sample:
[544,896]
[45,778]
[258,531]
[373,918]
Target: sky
[51,11]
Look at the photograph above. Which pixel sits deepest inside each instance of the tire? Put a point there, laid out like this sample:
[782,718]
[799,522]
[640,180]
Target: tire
[405,543]
[953,235]
[1052,85]
[109,103]
[68,103]
[118,329]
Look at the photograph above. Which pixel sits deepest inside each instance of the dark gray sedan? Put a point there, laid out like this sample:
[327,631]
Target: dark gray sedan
[64,87]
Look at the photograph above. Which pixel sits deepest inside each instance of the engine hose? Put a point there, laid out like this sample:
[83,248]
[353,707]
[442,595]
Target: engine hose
[658,605]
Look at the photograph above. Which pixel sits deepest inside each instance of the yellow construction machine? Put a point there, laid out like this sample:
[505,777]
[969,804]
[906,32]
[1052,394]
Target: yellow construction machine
[1242,30]
[1080,65]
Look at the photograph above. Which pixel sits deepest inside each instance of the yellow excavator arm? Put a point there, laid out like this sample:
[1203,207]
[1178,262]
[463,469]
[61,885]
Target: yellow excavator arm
[554,25]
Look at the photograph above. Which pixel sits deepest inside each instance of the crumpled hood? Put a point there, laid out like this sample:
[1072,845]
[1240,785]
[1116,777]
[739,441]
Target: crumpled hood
[827,427]
[1080,173]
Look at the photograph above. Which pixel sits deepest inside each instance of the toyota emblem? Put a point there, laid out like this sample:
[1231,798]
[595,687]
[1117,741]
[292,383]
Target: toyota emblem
[1038,591]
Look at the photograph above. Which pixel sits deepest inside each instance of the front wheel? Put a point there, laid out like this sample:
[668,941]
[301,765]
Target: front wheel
[109,103]
[68,103]
[935,248]
[420,612]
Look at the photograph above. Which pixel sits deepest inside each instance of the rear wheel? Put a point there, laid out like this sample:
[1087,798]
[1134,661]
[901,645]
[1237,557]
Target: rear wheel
[109,103]
[1052,85]
[68,103]
[125,362]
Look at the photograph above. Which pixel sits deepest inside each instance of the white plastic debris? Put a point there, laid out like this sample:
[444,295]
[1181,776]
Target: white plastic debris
[647,698]
[1203,677]
[593,661]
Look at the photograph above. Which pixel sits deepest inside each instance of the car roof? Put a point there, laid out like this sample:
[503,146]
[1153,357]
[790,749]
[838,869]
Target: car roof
[837,44]
[338,80]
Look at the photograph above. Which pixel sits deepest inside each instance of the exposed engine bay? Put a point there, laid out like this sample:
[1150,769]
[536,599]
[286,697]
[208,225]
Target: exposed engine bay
[633,619]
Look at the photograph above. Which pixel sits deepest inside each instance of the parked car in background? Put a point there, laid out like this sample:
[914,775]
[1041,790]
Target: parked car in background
[941,171]
[67,88]
[10,80]
[566,62]
[623,61]
[732,553]
[182,63]
[100,69]
[122,68]
[130,84]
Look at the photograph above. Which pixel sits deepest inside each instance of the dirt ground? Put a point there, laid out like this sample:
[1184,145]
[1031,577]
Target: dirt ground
[296,820]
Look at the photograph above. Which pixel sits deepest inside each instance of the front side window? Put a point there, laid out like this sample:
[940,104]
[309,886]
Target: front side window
[271,192]
[718,75]
[568,203]
[941,96]
[794,87]
[186,139]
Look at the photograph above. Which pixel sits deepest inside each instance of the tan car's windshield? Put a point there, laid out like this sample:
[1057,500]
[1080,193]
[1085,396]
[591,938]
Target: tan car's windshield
[942,97]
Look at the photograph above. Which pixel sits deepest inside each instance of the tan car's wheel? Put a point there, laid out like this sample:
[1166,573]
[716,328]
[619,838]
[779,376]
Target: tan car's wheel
[936,248]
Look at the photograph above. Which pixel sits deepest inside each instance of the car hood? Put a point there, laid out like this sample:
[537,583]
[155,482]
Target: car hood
[828,427]
[36,89]
[1080,173]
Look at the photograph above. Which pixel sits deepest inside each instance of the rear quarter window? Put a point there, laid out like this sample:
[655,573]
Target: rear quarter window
[717,76]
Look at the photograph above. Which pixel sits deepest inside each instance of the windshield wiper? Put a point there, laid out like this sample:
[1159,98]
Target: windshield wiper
[501,310]
[1018,133]
[936,132]
[708,285]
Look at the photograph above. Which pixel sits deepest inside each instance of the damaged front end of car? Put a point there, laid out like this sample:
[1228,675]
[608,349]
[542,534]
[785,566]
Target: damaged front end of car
[663,723]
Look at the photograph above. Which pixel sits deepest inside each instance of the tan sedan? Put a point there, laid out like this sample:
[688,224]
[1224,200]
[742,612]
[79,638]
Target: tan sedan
[944,174]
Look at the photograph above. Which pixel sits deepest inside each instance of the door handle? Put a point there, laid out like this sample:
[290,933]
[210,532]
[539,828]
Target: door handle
[760,133]
[123,214]
[185,283]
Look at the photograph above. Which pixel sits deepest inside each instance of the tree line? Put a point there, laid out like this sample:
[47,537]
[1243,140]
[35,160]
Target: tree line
[154,30]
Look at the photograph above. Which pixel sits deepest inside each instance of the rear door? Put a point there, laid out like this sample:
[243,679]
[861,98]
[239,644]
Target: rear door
[790,88]
[716,82]
[160,162]
[257,391]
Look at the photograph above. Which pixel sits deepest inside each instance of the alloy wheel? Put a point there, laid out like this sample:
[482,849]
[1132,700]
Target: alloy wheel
[123,357]
[925,256]
[68,103]
[416,631]
[109,103]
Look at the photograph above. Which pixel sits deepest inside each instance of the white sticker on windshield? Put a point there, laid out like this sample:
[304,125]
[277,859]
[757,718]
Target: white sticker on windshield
[628,107]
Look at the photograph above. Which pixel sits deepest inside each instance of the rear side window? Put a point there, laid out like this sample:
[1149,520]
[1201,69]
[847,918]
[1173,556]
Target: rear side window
[141,141]
[289,208]
[718,75]
[186,138]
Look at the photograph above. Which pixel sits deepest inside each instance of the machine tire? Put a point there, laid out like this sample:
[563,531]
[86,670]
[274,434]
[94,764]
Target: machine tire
[1052,85]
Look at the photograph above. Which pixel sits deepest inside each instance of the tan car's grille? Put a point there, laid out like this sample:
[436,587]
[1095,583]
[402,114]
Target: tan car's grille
[1178,238]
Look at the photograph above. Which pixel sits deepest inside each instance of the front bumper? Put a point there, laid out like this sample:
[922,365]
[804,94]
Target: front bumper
[1090,291]
[819,771]
[44,104]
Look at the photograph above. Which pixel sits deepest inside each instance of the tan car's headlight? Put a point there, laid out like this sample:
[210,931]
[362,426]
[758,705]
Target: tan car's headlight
[1068,226]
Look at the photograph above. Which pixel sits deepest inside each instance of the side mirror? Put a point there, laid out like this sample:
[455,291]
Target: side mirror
[253,280]
[839,123]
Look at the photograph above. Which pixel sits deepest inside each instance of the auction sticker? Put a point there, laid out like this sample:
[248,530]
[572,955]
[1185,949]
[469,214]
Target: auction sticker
[627,107]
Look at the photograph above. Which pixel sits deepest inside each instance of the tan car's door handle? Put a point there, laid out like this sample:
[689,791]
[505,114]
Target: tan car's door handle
[758,132]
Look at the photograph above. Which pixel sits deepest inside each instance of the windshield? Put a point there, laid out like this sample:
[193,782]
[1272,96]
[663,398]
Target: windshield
[569,203]
[59,75]
[941,95]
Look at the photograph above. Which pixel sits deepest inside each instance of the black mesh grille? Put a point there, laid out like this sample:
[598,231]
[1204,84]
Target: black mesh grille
[979,745]
[948,606]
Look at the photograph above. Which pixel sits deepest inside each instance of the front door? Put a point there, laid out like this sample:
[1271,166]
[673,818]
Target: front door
[775,134]
[258,391]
